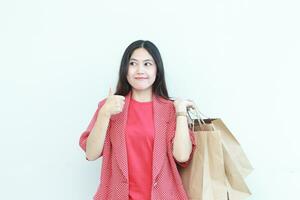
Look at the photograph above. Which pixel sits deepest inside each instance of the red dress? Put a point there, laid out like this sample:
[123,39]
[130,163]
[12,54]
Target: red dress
[139,144]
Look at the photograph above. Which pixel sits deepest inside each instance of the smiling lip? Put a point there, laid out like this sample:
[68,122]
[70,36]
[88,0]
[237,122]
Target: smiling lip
[140,78]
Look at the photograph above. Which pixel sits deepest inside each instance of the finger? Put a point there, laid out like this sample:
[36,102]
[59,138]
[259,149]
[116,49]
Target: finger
[191,103]
[121,97]
[110,93]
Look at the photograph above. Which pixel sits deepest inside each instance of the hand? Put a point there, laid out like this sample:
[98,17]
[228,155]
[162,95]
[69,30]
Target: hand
[181,105]
[114,104]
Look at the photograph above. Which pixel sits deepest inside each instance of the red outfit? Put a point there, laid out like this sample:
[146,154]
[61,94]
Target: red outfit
[139,140]
[116,171]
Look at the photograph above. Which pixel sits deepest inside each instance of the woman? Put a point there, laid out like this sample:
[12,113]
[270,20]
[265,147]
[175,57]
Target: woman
[140,132]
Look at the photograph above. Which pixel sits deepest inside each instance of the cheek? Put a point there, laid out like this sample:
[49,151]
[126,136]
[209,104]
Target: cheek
[153,73]
[130,73]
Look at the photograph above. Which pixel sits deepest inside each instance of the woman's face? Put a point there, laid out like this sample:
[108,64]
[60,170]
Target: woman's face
[141,70]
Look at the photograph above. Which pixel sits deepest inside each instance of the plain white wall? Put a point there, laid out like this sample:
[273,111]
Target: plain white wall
[238,60]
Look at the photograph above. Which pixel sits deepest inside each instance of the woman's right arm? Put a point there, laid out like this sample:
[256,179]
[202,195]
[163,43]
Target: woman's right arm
[95,140]
[97,129]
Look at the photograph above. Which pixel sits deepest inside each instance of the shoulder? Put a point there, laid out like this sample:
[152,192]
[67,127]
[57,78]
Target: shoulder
[167,102]
[168,107]
[164,100]
[171,105]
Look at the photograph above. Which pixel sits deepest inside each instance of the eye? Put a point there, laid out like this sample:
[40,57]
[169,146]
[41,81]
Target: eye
[132,63]
[148,63]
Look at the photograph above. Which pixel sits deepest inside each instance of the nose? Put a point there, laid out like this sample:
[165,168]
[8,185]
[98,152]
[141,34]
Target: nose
[140,69]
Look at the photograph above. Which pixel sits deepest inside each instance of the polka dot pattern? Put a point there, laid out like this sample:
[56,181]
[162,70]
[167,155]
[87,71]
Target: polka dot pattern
[166,180]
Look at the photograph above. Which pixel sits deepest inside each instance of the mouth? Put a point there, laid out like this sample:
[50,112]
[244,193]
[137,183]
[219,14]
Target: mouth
[140,78]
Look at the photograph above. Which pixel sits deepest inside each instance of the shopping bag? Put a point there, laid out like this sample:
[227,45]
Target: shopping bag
[236,164]
[233,148]
[237,188]
[229,142]
[204,178]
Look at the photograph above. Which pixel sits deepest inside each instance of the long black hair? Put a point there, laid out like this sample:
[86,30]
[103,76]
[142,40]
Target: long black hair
[159,86]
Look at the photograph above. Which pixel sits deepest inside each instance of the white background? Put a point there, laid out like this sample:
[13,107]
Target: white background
[237,59]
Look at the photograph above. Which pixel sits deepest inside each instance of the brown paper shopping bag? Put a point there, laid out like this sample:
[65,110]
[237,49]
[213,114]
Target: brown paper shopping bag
[233,148]
[236,164]
[204,178]
[237,188]
[229,141]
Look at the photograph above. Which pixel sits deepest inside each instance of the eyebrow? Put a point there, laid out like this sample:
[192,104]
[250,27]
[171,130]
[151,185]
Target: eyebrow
[144,60]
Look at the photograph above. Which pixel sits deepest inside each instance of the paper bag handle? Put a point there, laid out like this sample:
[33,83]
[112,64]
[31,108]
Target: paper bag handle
[198,115]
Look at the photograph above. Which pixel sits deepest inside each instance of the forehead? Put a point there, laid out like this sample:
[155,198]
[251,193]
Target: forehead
[141,54]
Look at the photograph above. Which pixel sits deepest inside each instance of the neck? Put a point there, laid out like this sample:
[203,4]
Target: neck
[142,95]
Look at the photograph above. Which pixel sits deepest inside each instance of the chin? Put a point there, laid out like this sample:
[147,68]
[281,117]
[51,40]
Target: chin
[141,87]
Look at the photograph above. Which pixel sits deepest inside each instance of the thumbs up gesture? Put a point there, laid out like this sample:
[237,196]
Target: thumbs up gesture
[114,103]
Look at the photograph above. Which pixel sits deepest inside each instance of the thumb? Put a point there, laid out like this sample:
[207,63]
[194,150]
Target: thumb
[110,92]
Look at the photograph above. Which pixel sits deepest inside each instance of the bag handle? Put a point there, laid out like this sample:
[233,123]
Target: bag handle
[198,115]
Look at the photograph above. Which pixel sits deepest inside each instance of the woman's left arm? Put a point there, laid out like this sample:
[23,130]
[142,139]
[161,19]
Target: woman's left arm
[182,144]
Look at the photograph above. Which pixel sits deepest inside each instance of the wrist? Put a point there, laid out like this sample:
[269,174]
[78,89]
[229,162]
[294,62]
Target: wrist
[181,113]
[104,113]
